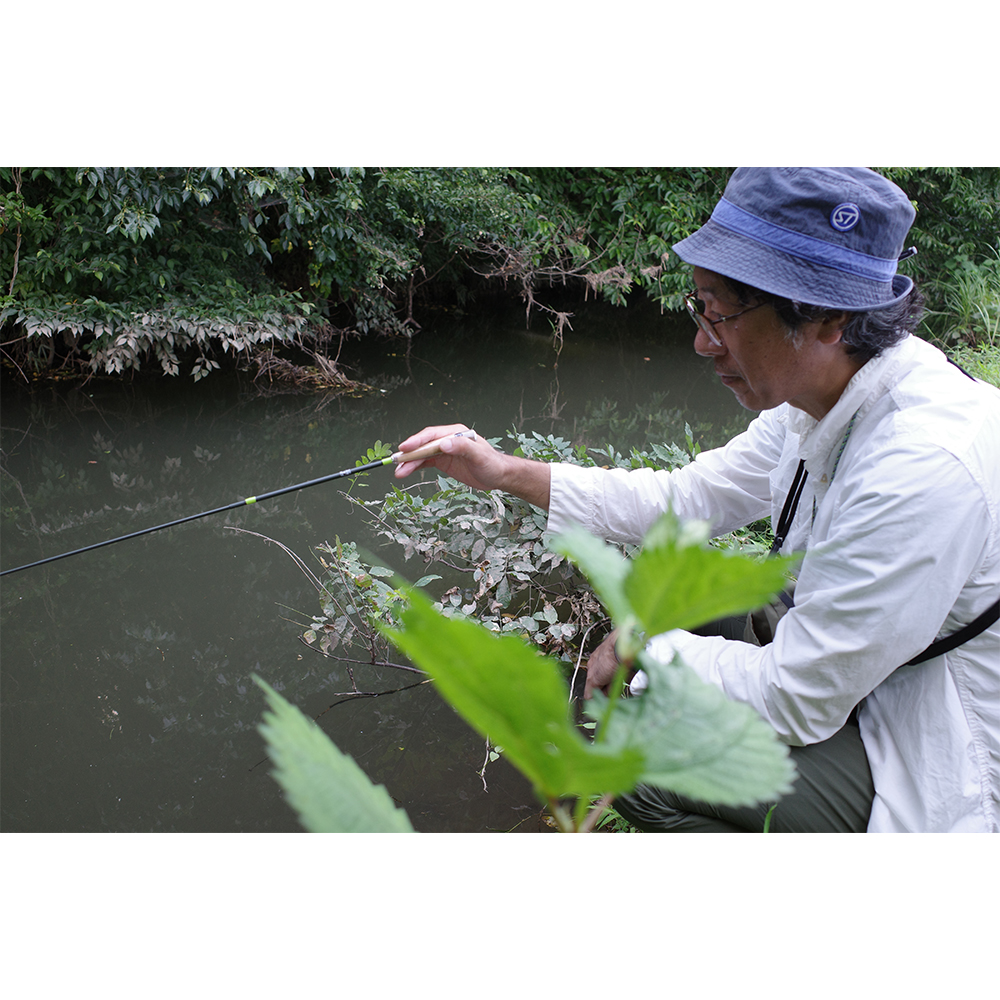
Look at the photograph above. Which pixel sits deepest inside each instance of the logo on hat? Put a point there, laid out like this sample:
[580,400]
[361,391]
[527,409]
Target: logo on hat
[845,217]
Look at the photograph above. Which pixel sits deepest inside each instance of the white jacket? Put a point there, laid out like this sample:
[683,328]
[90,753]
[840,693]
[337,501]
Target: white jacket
[901,547]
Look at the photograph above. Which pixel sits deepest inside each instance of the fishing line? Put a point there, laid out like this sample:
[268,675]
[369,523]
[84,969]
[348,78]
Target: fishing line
[418,454]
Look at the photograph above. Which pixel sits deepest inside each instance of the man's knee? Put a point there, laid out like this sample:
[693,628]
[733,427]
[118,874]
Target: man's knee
[656,810]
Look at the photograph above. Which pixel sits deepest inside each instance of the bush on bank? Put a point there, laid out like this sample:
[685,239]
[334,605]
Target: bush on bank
[117,269]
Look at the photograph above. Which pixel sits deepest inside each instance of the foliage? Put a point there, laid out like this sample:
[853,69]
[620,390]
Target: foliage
[355,601]
[517,585]
[957,235]
[489,546]
[980,362]
[682,734]
[619,224]
[116,268]
[612,821]
[675,580]
[971,305]
[503,688]
[119,266]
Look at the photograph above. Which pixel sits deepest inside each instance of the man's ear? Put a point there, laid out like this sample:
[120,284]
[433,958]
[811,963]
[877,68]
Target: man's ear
[830,329]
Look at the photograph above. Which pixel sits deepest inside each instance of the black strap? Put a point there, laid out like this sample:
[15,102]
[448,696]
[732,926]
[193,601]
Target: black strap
[791,503]
[964,634]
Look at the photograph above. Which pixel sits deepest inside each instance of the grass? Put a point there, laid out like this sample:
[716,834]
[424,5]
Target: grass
[982,361]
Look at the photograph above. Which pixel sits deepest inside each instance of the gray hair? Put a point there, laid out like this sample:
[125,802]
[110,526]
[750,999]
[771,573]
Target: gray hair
[865,336]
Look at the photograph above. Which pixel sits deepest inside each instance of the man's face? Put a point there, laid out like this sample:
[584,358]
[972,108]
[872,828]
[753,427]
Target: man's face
[762,366]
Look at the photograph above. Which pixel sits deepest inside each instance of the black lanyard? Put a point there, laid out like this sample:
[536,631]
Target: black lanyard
[791,503]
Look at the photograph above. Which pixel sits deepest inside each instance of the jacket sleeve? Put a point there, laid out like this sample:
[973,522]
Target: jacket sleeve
[728,487]
[873,594]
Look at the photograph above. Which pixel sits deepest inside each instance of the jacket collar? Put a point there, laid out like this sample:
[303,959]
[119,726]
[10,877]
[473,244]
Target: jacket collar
[819,440]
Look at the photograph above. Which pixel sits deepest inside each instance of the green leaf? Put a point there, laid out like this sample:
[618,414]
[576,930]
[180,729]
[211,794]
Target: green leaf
[604,567]
[679,582]
[696,741]
[516,698]
[325,787]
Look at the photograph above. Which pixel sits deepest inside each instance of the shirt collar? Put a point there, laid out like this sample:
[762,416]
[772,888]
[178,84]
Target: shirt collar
[819,438]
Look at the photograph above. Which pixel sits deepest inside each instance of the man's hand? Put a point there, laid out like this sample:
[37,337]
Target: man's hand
[478,464]
[602,666]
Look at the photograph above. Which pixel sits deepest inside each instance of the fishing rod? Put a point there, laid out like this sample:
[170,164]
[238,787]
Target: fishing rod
[418,454]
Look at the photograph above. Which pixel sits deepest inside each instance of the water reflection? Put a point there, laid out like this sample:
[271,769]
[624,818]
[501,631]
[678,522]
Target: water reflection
[127,695]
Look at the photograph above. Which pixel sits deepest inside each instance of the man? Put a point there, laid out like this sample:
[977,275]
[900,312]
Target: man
[893,455]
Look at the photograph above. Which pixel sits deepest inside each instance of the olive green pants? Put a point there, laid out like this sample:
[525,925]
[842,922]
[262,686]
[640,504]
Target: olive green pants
[832,792]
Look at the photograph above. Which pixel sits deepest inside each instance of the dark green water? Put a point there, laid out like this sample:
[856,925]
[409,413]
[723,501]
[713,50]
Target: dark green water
[127,703]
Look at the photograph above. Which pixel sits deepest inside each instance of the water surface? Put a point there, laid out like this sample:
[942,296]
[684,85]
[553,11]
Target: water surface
[127,700]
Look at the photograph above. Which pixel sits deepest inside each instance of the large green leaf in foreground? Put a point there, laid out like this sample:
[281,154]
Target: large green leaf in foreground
[325,787]
[696,741]
[508,692]
[602,564]
[677,581]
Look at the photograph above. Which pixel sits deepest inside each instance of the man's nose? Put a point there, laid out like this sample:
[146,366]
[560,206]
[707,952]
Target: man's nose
[705,347]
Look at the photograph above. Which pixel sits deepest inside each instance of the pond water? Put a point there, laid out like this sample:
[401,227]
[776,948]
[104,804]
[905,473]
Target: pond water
[127,700]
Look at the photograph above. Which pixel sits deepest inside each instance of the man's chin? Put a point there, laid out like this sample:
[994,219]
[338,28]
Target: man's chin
[740,390]
[747,399]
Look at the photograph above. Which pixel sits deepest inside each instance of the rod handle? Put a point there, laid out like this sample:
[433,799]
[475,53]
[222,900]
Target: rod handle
[428,450]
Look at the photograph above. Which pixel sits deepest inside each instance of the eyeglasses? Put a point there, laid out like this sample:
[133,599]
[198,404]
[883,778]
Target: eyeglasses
[697,310]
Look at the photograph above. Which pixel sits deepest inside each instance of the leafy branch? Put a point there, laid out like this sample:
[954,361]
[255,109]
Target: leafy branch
[682,734]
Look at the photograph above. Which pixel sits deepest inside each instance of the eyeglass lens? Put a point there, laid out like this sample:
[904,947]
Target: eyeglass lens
[695,307]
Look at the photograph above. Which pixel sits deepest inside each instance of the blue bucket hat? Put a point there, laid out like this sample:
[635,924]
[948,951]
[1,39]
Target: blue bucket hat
[829,236]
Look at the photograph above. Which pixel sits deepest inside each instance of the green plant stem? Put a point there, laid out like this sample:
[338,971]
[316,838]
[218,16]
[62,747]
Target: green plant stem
[767,818]
[614,693]
[563,819]
[594,815]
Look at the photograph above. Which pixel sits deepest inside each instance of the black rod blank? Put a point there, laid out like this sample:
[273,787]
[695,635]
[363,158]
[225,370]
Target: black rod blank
[207,513]
[415,455]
